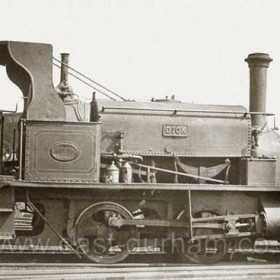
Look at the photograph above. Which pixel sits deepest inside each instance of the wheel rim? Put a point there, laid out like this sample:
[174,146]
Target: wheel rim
[98,241]
[203,251]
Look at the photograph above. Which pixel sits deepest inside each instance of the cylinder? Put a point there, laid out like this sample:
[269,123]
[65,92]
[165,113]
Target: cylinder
[271,216]
[64,68]
[258,64]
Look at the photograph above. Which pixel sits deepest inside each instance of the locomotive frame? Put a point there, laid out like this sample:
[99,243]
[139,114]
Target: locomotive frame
[201,177]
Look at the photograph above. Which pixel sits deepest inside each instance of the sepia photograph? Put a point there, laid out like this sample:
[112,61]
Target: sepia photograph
[139,139]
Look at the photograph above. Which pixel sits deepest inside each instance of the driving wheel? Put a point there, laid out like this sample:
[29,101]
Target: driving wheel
[100,242]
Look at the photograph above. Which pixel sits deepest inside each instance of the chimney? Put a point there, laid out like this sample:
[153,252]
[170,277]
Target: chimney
[258,64]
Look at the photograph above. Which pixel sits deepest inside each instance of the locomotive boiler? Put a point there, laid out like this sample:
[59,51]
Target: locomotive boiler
[110,178]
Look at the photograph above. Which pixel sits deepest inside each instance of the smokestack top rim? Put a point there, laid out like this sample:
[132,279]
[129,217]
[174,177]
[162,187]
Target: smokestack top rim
[258,59]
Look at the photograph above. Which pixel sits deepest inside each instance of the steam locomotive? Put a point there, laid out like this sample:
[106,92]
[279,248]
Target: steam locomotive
[110,178]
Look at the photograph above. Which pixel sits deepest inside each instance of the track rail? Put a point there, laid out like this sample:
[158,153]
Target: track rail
[138,271]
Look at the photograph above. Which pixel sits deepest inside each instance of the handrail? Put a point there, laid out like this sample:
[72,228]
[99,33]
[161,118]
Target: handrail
[186,111]
[20,175]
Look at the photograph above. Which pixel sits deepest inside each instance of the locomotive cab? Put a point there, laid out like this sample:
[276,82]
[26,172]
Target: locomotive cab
[51,147]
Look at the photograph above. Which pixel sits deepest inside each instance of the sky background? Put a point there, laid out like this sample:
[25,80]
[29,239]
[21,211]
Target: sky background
[152,48]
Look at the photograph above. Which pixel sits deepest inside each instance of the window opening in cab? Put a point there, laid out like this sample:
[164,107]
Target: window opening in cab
[11,107]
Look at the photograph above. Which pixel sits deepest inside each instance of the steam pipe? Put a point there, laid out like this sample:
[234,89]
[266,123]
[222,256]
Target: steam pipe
[258,64]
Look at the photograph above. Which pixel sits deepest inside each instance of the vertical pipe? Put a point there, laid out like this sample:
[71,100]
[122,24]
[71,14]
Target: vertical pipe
[20,149]
[258,64]
[14,145]
[63,88]
[2,142]
[64,68]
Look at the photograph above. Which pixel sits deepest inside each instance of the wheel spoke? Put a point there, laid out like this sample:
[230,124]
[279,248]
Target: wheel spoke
[90,228]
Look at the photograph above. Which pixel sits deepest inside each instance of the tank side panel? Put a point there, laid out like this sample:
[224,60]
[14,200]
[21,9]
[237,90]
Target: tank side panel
[163,134]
